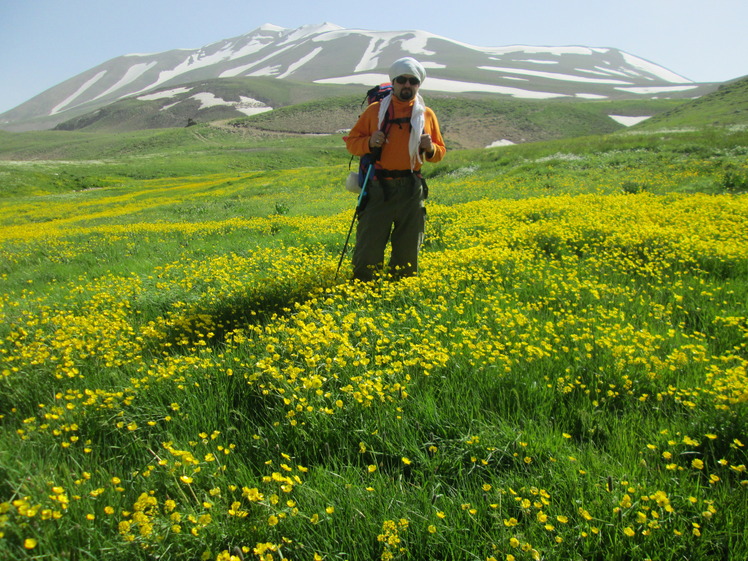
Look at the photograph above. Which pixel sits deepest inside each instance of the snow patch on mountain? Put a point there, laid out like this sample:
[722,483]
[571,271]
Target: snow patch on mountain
[552,75]
[299,63]
[595,72]
[250,106]
[628,121]
[165,94]
[86,85]
[657,89]
[244,69]
[270,27]
[654,69]
[208,100]
[379,41]
[454,86]
[553,51]
[132,74]
[417,44]
[167,107]
[266,71]
[611,71]
[246,105]
[202,59]
[306,30]
[249,49]
[370,58]
[443,85]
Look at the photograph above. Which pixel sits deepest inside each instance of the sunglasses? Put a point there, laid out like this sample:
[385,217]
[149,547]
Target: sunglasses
[403,79]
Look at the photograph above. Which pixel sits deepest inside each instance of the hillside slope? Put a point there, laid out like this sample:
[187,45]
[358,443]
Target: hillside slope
[728,106]
[469,121]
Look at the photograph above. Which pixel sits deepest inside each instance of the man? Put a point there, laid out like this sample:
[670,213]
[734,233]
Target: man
[407,133]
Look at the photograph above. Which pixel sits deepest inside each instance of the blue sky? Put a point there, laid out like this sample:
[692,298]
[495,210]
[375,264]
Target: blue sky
[44,42]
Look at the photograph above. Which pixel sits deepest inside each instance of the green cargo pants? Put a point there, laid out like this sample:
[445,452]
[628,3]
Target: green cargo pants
[395,212]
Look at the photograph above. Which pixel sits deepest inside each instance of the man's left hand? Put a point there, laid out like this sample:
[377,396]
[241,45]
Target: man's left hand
[426,145]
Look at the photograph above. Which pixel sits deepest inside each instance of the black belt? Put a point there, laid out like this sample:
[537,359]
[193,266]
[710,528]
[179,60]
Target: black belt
[383,175]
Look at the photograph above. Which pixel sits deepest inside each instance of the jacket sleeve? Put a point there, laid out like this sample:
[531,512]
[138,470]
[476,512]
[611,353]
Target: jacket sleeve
[357,141]
[432,128]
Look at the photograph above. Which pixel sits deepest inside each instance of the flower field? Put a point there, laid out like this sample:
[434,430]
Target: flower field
[183,376]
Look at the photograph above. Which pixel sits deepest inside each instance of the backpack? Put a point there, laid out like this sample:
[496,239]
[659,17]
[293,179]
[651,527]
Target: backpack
[377,93]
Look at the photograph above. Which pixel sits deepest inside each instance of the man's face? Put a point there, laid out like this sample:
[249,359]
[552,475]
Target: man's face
[405,87]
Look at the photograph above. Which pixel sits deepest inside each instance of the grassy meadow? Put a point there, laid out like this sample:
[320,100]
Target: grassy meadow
[184,376]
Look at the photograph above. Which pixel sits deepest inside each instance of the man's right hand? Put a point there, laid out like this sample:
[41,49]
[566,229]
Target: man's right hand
[377,140]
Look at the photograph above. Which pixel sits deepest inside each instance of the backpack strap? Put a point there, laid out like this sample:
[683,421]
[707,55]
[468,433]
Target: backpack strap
[385,128]
[399,121]
[387,123]
[388,120]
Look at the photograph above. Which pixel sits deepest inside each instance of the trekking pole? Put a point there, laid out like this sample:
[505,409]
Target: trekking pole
[355,214]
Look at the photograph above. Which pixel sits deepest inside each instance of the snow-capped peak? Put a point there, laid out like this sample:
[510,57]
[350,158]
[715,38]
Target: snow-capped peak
[270,27]
[654,69]
[307,30]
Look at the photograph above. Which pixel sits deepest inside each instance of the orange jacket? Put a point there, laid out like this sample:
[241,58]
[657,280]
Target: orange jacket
[395,154]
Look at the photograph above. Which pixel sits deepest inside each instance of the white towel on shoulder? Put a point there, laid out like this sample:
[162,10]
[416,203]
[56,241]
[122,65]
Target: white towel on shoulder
[417,123]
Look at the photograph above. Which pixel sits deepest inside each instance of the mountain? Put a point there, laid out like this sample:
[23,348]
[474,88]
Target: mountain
[330,55]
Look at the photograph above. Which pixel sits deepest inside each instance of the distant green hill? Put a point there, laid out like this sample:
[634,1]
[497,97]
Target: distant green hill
[469,121]
[728,106]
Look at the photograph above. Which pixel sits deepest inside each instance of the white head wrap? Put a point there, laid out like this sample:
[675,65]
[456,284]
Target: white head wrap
[407,65]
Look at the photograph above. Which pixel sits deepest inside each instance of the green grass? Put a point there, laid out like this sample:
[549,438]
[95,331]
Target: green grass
[727,107]
[183,374]
[60,161]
